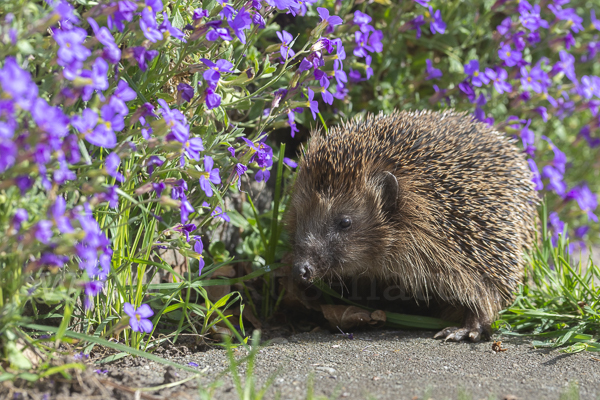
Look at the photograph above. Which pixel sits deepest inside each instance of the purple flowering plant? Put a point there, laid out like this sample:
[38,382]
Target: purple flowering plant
[113,148]
[531,76]
[121,122]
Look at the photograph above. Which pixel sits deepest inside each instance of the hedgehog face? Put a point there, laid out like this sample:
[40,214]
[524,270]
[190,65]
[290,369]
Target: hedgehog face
[338,233]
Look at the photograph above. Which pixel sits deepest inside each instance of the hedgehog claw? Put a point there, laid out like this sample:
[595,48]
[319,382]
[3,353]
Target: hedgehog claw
[456,334]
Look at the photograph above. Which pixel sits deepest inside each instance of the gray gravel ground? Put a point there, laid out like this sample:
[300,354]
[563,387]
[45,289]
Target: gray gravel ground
[394,365]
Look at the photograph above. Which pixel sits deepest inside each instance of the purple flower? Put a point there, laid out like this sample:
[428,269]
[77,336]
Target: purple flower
[213,100]
[560,159]
[57,213]
[595,22]
[193,147]
[241,22]
[111,52]
[467,89]
[186,230]
[585,132]
[24,183]
[240,169]
[588,87]
[375,41]
[472,69]
[91,289]
[498,77]
[569,15]
[504,26]
[509,56]
[532,20]
[257,19]
[330,20]
[50,119]
[362,48]
[557,227]
[586,199]
[289,162]
[565,65]
[71,48]
[185,209]
[111,196]
[9,151]
[210,175]
[21,216]
[185,91]
[312,104]
[422,2]
[53,260]
[436,25]
[17,84]
[218,212]
[416,24]
[175,32]
[432,73]
[569,40]
[361,19]
[152,162]
[263,155]
[543,112]
[216,32]
[124,12]
[528,138]
[158,188]
[85,123]
[198,248]
[200,13]
[122,94]
[213,73]
[104,133]
[112,166]
[149,26]
[43,231]
[176,122]
[143,56]
[555,180]
[536,79]
[537,179]
[155,6]
[139,318]
[285,38]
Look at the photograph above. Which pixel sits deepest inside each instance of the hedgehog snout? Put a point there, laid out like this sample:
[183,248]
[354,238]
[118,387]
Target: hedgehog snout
[303,272]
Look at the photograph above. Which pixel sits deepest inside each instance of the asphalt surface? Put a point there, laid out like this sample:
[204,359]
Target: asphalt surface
[387,365]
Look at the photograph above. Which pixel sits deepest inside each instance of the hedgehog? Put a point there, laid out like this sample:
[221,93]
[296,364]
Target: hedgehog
[435,203]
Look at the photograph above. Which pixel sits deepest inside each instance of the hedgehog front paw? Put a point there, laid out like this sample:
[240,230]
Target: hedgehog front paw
[456,334]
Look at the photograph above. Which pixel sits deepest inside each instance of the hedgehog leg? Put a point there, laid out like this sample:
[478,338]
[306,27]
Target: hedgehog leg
[475,327]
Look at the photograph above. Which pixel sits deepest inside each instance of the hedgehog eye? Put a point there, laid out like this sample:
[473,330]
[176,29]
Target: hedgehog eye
[345,223]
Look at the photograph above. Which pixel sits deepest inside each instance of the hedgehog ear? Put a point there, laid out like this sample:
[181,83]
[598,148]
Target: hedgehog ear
[388,187]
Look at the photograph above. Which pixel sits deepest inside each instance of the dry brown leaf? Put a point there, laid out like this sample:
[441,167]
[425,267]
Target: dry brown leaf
[345,317]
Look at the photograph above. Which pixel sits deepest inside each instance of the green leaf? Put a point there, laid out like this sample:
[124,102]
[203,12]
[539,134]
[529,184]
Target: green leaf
[178,21]
[16,357]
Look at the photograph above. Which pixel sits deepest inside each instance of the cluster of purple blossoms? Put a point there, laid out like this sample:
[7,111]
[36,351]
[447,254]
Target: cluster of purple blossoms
[537,79]
[367,40]
[212,76]
[262,154]
[436,23]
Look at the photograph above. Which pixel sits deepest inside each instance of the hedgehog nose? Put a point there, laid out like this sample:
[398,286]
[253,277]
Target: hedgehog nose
[303,272]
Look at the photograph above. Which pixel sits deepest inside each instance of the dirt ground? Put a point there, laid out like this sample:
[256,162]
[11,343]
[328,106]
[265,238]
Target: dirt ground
[374,365]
